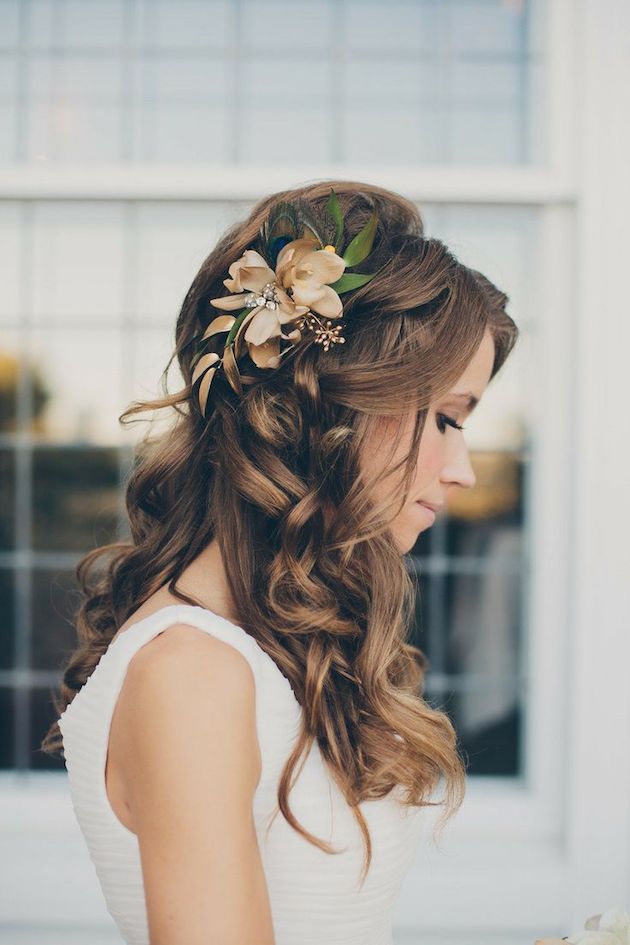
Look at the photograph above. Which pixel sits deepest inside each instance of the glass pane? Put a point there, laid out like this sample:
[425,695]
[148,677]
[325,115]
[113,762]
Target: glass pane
[492,743]
[503,242]
[75,111]
[7,618]
[10,247]
[490,516]
[9,84]
[7,720]
[173,239]
[78,263]
[150,350]
[53,637]
[10,366]
[75,498]
[118,80]
[7,499]
[484,617]
[288,25]
[429,621]
[398,27]
[42,714]
[99,23]
[81,376]
[188,24]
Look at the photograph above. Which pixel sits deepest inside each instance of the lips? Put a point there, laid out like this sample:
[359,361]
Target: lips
[430,505]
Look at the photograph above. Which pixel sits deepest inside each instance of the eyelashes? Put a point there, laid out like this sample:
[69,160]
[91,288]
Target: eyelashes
[443,420]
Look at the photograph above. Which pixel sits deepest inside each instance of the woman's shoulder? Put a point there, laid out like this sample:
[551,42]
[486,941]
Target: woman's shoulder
[185,684]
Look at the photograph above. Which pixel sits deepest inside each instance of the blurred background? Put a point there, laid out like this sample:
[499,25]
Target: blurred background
[132,133]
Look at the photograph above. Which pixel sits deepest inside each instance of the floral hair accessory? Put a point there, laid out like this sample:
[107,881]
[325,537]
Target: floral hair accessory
[295,287]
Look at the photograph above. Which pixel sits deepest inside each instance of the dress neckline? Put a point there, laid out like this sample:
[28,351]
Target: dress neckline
[160,610]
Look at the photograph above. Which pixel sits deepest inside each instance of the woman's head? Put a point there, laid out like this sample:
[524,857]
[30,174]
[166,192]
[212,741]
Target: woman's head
[282,475]
[443,461]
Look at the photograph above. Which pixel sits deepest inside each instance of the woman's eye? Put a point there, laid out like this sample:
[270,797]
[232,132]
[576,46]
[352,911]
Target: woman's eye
[443,420]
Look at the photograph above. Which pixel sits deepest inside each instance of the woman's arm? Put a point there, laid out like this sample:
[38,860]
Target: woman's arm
[191,763]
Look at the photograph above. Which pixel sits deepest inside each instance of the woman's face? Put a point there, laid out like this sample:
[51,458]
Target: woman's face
[443,460]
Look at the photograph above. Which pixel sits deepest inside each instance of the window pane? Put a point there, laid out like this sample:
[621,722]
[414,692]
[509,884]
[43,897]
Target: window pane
[491,514]
[483,614]
[7,618]
[53,637]
[7,499]
[459,81]
[491,745]
[81,375]
[42,714]
[75,498]
[9,383]
[7,717]
[78,263]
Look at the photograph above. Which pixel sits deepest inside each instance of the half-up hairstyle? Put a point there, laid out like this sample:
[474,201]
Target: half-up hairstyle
[274,475]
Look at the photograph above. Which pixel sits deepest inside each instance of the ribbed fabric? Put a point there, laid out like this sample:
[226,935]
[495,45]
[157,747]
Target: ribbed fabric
[314,896]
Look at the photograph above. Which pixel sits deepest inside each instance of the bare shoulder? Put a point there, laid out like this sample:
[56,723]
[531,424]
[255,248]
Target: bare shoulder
[190,681]
[190,764]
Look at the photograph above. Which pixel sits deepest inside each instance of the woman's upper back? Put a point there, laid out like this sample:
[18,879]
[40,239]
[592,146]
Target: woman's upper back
[313,896]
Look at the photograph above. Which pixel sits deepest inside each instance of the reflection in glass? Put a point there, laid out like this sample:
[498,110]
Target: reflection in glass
[494,746]
[81,371]
[470,609]
[42,715]
[485,61]
[7,718]
[75,497]
[7,499]
[54,600]
[7,618]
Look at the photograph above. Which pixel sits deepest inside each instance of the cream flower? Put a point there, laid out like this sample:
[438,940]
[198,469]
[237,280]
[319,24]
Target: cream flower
[609,928]
[276,299]
[307,272]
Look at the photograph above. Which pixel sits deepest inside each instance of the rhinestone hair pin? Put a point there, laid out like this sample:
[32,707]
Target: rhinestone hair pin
[293,289]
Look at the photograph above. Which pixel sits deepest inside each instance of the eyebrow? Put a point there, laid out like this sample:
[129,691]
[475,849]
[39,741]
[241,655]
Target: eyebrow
[469,397]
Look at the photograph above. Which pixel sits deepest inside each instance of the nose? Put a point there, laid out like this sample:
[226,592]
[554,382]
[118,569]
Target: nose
[458,468]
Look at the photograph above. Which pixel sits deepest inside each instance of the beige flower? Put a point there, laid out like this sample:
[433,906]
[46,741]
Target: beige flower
[276,299]
[306,271]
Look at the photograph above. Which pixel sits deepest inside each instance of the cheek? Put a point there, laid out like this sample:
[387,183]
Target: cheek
[430,454]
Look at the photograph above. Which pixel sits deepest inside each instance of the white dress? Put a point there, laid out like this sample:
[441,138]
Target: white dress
[314,896]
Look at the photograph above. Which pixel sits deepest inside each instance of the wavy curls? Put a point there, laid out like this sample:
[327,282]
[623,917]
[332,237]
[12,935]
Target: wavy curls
[275,475]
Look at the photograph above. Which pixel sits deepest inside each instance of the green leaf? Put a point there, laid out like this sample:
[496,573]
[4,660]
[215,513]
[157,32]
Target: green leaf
[235,327]
[351,280]
[334,209]
[360,246]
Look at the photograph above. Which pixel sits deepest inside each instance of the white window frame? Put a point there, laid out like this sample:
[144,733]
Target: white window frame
[521,859]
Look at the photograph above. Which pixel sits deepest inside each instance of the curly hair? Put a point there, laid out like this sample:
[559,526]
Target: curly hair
[275,476]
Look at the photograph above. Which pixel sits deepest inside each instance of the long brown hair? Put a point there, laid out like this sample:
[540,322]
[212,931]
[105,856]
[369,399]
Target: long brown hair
[275,477]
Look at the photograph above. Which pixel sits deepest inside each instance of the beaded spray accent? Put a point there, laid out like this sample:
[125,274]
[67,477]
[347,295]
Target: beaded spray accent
[296,285]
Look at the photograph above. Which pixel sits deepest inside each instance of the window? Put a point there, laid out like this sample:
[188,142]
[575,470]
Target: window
[131,135]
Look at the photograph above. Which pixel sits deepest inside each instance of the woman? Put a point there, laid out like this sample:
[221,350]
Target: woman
[249,753]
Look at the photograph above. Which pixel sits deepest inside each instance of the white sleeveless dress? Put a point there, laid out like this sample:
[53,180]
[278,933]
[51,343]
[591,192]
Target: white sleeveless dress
[314,896]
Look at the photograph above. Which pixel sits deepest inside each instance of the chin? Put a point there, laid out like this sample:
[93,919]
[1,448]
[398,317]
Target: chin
[405,543]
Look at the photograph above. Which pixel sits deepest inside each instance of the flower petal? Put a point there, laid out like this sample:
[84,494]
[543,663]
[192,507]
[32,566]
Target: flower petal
[321,266]
[290,255]
[265,355]
[250,271]
[229,303]
[321,299]
[264,326]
